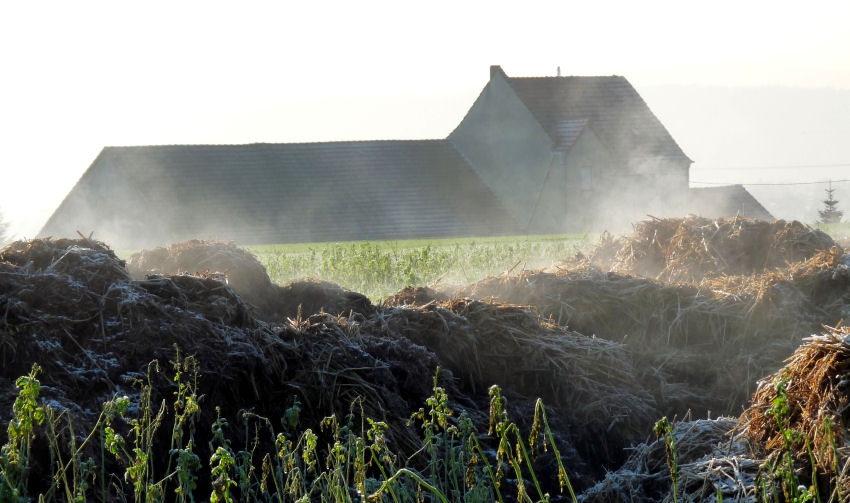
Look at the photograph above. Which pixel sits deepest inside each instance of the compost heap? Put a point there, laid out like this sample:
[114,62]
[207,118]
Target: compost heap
[71,307]
[790,444]
[247,276]
[704,337]
[677,250]
[612,352]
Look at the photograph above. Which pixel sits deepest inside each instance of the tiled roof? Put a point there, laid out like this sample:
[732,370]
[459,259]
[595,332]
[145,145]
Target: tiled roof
[271,193]
[567,132]
[612,107]
[726,201]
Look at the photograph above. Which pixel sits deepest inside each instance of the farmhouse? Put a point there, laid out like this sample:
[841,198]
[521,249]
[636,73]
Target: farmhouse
[532,155]
[566,154]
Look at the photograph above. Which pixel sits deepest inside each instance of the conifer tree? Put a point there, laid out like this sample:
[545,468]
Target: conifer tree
[830,214]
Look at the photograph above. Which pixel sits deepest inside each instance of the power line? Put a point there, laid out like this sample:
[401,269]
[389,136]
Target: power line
[777,183]
[798,166]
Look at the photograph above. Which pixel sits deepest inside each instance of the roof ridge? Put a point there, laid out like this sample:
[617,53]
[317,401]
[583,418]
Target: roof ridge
[253,144]
[554,77]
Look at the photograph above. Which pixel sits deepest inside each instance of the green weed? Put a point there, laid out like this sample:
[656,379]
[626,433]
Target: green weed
[780,471]
[663,429]
[15,453]
[280,464]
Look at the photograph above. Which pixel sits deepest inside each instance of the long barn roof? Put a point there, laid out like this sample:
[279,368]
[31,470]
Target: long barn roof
[267,193]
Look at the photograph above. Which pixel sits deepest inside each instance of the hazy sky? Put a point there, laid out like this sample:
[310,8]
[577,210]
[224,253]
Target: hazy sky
[77,76]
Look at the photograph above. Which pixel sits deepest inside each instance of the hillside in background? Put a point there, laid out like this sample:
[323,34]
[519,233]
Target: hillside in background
[762,135]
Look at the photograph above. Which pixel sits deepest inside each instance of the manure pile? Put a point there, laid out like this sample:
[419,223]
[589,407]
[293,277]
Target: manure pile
[247,276]
[71,307]
[691,249]
[706,307]
[680,319]
[790,444]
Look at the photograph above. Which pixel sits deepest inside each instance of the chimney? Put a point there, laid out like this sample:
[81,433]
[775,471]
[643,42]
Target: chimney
[559,71]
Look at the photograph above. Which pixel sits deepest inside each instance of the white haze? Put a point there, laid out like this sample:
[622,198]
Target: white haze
[762,136]
[78,76]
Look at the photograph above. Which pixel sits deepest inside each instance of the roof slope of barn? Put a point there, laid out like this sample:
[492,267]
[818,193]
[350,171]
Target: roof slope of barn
[266,193]
[613,108]
[726,201]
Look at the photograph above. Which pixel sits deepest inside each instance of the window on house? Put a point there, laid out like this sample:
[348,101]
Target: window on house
[586,178]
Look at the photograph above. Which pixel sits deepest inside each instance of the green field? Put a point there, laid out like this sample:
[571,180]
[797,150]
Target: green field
[381,268]
[837,231]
